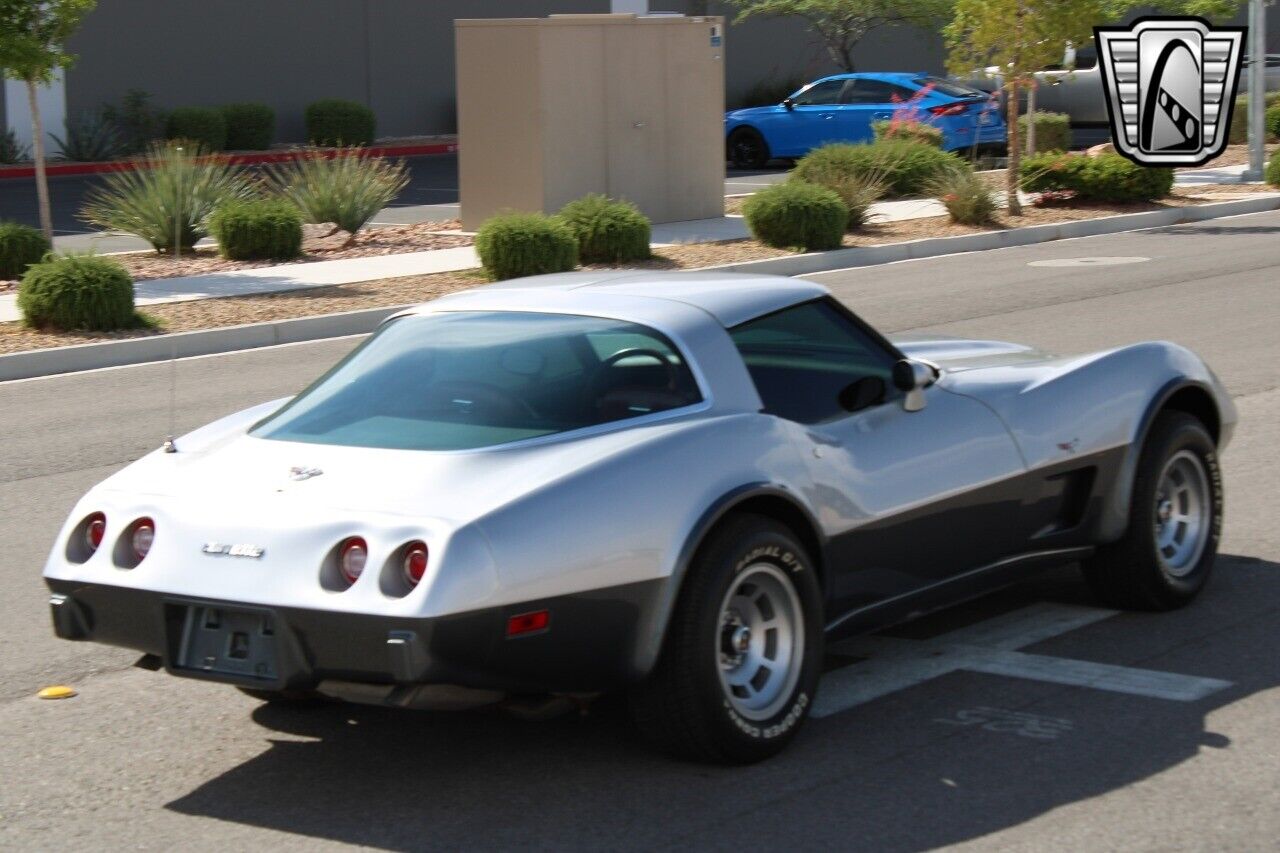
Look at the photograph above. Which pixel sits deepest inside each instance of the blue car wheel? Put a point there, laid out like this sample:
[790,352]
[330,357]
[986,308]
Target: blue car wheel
[747,149]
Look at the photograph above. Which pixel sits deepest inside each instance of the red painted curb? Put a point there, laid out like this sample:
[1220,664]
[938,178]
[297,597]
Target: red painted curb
[52,169]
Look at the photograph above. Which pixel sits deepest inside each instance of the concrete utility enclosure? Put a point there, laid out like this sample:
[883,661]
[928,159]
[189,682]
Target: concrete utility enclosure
[550,109]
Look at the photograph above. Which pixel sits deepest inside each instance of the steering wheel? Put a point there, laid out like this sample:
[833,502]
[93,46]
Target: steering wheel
[673,377]
[484,394]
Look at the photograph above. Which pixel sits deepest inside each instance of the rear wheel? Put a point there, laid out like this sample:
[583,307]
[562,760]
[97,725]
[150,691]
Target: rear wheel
[739,668]
[747,149]
[1175,520]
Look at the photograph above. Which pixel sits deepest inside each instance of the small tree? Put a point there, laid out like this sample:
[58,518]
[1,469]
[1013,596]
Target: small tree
[1020,37]
[841,24]
[33,40]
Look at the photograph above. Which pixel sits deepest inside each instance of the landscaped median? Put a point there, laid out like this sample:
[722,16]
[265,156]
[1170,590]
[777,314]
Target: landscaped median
[260,320]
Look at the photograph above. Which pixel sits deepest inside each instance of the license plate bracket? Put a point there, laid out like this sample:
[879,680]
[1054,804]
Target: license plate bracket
[230,644]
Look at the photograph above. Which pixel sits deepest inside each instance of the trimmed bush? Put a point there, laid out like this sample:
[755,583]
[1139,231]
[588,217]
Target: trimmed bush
[257,229]
[20,247]
[968,199]
[607,231]
[202,125]
[857,191]
[1273,121]
[911,131]
[797,215]
[512,245]
[1053,131]
[336,122]
[78,292]
[907,167]
[250,127]
[1105,178]
[346,189]
[141,201]
[1273,169]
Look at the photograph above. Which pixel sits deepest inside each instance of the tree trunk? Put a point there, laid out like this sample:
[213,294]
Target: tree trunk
[37,150]
[1015,150]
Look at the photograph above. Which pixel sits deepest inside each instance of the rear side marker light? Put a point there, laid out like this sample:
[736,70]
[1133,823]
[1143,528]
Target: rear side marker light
[528,623]
[141,537]
[352,557]
[949,110]
[95,528]
[415,562]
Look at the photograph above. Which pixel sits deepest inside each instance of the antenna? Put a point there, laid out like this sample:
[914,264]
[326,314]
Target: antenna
[169,446]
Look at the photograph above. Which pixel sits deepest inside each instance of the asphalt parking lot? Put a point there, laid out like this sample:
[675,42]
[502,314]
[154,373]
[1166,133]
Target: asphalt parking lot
[1029,720]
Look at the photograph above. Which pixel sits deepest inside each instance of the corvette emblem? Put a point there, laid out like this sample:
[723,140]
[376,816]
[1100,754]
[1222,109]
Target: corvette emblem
[252,552]
[297,472]
[1170,85]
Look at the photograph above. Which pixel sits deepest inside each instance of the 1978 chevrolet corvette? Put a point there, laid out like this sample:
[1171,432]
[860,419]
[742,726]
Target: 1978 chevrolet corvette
[679,484]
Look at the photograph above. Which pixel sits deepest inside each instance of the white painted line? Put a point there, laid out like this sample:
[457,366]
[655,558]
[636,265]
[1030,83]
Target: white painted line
[891,664]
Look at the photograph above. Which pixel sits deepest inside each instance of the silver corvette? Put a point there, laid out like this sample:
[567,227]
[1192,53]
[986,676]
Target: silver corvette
[679,485]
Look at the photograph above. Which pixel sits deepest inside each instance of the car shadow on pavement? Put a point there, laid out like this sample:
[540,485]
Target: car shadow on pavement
[907,771]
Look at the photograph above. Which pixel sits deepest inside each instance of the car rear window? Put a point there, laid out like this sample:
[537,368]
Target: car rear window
[950,88]
[468,379]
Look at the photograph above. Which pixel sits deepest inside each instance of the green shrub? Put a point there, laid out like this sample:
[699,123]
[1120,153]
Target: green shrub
[202,125]
[907,167]
[250,127]
[346,189]
[1053,130]
[335,122]
[91,138]
[11,150]
[1273,121]
[1238,132]
[607,231]
[257,229]
[797,214]
[1105,178]
[20,247]
[78,292]
[858,191]
[968,199]
[912,131]
[139,123]
[170,194]
[1273,169]
[512,245]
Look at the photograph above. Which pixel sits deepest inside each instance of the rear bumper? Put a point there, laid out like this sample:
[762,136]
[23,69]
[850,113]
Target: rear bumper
[590,643]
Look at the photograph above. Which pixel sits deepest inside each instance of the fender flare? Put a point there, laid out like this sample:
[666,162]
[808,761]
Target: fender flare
[1113,521]
[653,630]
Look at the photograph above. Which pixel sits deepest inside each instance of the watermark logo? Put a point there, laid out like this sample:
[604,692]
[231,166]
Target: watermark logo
[1170,85]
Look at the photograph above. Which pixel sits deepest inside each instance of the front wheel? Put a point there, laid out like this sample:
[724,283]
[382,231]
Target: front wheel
[1175,520]
[739,668]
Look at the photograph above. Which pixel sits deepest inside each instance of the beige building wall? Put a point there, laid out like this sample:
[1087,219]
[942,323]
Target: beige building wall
[631,107]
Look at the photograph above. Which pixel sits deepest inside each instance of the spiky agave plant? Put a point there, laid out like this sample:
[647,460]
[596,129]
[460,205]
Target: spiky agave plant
[167,197]
[347,189]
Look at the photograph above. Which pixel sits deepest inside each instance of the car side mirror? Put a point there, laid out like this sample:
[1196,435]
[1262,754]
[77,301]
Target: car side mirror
[789,103]
[862,393]
[912,377]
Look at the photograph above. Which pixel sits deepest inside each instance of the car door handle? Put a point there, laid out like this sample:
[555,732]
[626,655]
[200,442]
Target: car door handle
[879,116]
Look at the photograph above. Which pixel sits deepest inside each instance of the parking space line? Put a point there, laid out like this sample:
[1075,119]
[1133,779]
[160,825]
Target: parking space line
[890,664]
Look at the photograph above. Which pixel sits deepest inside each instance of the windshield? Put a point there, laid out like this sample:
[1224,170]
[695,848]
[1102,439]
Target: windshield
[469,379]
[950,88]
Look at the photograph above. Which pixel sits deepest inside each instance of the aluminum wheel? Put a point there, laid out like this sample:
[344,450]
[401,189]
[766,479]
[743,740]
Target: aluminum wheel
[760,643]
[1183,513]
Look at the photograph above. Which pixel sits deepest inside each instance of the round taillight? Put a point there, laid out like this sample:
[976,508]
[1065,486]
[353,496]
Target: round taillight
[352,557]
[143,535]
[95,528]
[415,562]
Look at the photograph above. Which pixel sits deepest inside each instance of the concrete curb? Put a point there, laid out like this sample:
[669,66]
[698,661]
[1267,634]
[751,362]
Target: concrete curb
[26,365]
[937,246]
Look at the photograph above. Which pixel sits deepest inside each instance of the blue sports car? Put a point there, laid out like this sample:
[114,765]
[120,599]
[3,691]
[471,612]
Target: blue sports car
[843,108]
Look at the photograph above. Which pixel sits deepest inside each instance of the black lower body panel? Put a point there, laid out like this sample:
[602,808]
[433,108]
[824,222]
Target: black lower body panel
[589,643]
